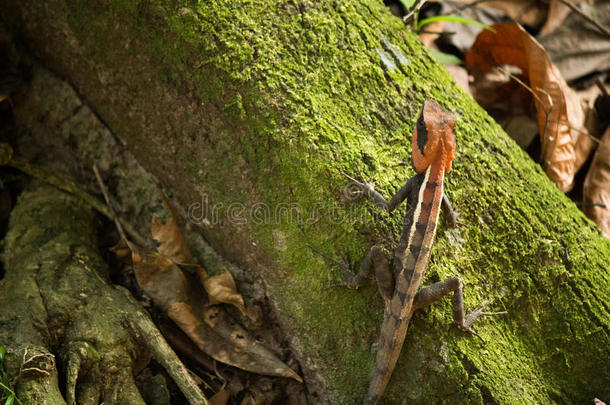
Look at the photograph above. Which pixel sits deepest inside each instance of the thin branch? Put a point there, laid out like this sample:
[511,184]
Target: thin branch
[601,87]
[587,17]
[407,18]
[113,214]
[66,185]
[536,96]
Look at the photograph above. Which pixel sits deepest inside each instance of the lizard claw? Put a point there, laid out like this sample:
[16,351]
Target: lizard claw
[350,178]
[362,182]
[478,312]
[345,267]
[474,315]
[470,330]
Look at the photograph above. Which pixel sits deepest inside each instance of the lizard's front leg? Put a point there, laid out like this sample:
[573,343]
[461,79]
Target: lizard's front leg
[404,193]
[379,200]
[436,291]
[376,260]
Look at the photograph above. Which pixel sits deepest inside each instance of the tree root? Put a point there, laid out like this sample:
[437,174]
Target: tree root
[58,313]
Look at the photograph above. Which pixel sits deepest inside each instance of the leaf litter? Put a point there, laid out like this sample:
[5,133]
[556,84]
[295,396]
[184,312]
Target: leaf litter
[191,298]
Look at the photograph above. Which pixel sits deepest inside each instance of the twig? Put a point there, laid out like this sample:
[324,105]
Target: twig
[115,218]
[407,18]
[581,13]
[601,87]
[65,185]
[165,356]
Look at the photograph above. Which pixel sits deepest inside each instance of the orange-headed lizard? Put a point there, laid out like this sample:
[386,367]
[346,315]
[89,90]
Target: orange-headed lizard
[433,148]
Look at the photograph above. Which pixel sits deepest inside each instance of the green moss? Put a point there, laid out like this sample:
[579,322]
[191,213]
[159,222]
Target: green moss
[324,98]
[296,93]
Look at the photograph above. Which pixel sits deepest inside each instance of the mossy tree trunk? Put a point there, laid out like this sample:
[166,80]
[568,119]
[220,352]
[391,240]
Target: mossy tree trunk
[249,112]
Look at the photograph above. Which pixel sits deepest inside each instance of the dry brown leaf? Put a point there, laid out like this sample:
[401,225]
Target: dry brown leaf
[121,250]
[222,289]
[595,127]
[172,242]
[529,12]
[177,292]
[214,331]
[558,11]
[560,117]
[596,193]
[161,279]
[169,235]
[183,345]
[220,398]
[577,47]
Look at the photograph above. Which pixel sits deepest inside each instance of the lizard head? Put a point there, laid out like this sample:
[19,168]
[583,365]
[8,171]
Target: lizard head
[433,139]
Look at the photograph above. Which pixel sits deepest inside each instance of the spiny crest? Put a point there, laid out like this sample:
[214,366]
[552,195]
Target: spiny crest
[433,138]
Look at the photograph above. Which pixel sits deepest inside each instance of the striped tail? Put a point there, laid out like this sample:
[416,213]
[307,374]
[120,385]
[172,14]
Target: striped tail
[413,261]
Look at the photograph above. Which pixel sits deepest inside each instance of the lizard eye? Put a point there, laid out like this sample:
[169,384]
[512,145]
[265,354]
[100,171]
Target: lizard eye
[422,134]
[421,126]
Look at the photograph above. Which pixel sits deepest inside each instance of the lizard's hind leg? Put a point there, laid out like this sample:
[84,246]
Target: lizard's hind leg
[377,260]
[436,291]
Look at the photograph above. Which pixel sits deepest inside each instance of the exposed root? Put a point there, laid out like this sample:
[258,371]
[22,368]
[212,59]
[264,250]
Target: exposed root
[57,307]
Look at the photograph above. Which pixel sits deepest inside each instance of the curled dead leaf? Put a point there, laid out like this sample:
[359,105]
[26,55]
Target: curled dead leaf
[558,11]
[596,193]
[211,328]
[172,243]
[221,289]
[580,44]
[183,345]
[165,278]
[591,100]
[220,398]
[162,280]
[560,117]
[169,235]
[121,250]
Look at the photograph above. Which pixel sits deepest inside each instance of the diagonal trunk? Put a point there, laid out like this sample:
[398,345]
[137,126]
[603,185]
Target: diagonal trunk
[250,111]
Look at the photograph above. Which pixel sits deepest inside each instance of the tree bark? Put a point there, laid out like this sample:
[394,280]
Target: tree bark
[59,314]
[250,112]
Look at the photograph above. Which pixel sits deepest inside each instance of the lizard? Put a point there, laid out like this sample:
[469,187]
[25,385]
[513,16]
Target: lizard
[433,147]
